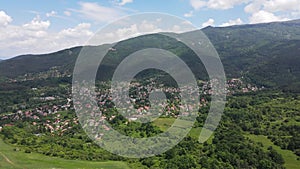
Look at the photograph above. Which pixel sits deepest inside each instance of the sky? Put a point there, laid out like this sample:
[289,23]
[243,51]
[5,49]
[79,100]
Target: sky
[35,26]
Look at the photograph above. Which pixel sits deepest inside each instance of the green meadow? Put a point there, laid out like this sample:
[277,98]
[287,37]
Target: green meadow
[290,158]
[10,159]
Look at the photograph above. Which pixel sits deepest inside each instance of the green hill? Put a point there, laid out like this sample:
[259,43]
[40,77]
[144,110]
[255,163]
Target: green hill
[265,54]
[11,159]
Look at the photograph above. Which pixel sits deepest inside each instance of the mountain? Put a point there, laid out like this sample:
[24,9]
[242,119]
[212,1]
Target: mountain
[23,64]
[266,54]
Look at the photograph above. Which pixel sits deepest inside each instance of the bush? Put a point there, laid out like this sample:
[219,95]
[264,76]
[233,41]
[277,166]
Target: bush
[27,151]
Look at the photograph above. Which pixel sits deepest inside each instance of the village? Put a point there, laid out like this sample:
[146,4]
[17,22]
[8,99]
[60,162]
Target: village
[140,109]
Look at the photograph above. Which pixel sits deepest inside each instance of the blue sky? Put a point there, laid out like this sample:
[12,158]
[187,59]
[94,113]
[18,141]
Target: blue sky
[35,26]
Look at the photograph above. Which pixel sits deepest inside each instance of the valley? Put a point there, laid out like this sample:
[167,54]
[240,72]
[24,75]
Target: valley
[39,127]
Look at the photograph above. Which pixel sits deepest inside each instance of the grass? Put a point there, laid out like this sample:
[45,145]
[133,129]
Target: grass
[195,133]
[290,158]
[165,123]
[10,159]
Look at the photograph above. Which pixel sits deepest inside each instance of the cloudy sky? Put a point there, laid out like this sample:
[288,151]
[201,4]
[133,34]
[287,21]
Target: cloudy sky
[35,26]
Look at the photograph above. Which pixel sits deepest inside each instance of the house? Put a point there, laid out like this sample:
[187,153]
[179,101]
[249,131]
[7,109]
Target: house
[112,49]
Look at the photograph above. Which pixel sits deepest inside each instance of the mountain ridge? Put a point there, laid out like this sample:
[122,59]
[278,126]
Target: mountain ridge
[295,21]
[243,49]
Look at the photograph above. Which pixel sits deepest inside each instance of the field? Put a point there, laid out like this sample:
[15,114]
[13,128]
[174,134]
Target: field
[165,123]
[290,158]
[10,159]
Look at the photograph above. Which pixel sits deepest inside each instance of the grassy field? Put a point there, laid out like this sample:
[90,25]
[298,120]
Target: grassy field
[290,158]
[165,123]
[10,159]
[195,133]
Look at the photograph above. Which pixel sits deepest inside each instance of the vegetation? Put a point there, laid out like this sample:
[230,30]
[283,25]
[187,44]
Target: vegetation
[264,54]
[230,147]
[259,129]
[15,158]
[291,160]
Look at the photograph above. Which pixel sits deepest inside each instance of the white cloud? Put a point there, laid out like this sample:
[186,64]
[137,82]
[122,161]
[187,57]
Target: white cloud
[264,16]
[210,22]
[272,10]
[123,2]
[96,12]
[188,23]
[124,33]
[134,28]
[282,5]
[295,14]
[82,29]
[232,22]
[189,14]
[34,37]
[67,13]
[254,6]
[4,19]
[197,4]
[37,24]
[224,4]
[51,14]
[216,4]
[129,31]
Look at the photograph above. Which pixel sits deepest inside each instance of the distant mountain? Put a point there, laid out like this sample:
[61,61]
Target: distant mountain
[266,54]
[23,64]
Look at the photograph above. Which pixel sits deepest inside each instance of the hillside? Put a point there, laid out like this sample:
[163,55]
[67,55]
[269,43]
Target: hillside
[23,64]
[255,51]
[265,54]
[9,158]
[39,126]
